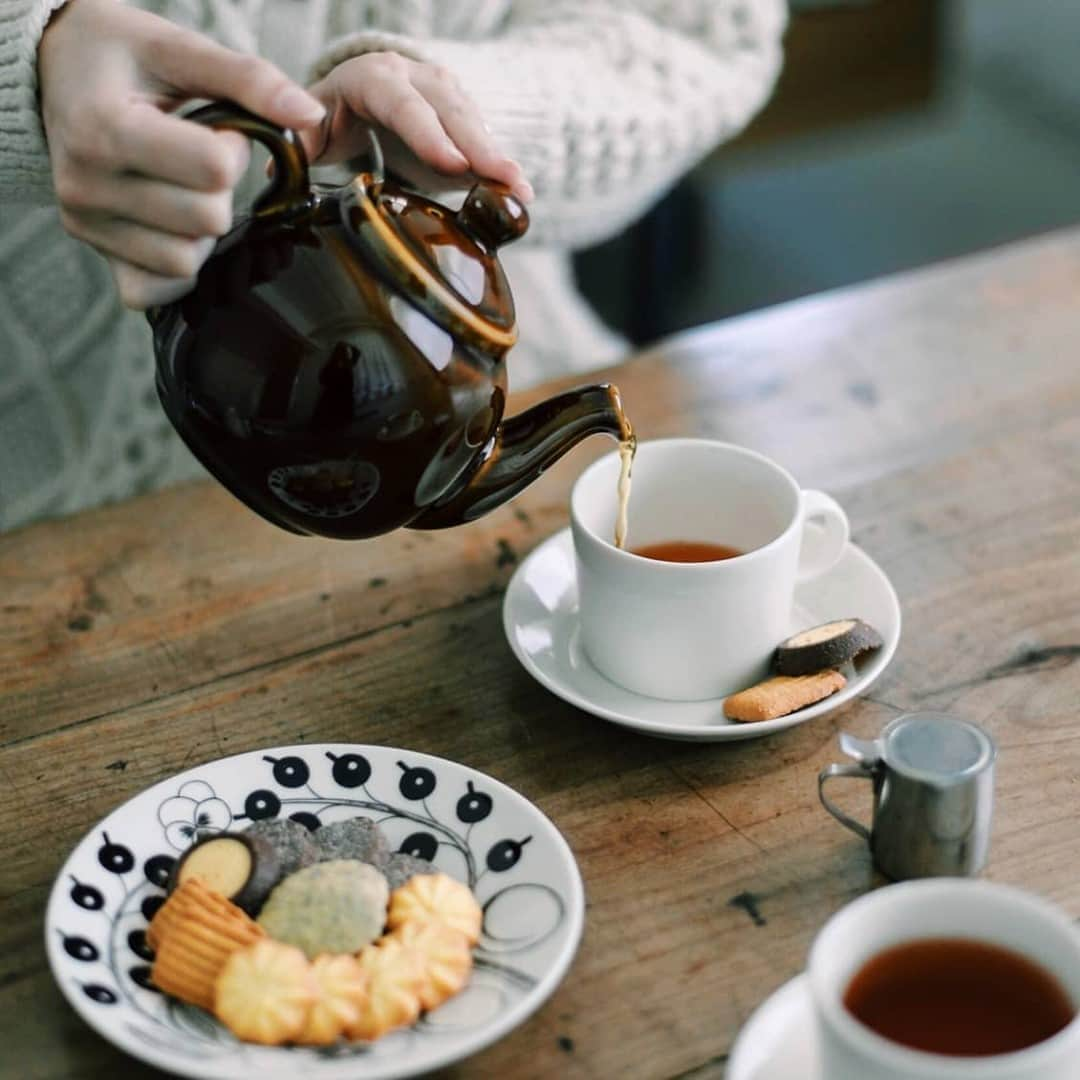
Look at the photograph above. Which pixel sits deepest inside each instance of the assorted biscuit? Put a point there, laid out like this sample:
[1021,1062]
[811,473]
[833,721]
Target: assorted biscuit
[436,898]
[342,998]
[805,667]
[337,906]
[830,645]
[445,955]
[265,992]
[289,940]
[195,940]
[781,695]
[397,978]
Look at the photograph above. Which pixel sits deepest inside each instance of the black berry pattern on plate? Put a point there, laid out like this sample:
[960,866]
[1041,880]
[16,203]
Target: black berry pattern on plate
[115,960]
[115,858]
[261,804]
[290,772]
[416,781]
[505,854]
[87,897]
[150,905]
[136,941]
[420,844]
[350,770]
[157,869]
[78,948]
[474,805]
[140,975]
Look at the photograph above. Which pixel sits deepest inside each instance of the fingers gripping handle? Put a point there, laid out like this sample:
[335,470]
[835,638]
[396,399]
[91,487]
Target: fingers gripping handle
[825,535]
[289,189]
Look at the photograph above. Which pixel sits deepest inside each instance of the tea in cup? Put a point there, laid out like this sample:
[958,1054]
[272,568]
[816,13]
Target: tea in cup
[695,603]
[947,979]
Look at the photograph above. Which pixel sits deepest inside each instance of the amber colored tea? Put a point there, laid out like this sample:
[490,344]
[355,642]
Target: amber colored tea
[958,997]
[686,551]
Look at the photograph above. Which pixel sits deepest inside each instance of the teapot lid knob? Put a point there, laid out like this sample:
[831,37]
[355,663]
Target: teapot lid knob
[492,215]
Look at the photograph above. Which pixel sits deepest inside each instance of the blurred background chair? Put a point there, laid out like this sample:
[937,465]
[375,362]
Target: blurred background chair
[902,132]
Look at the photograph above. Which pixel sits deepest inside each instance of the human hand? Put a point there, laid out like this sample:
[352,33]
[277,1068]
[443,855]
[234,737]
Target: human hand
[149,190]
[419,103]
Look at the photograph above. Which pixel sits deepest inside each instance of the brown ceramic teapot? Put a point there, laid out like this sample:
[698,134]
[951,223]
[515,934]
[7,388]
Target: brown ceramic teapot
[340,363]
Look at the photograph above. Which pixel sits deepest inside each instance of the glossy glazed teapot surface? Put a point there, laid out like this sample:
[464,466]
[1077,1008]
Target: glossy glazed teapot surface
[340,363]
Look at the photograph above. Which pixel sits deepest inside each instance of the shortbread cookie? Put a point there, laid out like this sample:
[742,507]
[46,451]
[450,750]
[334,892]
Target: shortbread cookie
[447,958]
[397,978]
[826,646]
[191,894]
[436,898]
[243,867]
[342,998]
[265,992]
[781,695]
[192,953]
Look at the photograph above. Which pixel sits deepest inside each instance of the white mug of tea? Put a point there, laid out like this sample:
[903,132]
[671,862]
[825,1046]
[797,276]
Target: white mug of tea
[694,605]
[947,979]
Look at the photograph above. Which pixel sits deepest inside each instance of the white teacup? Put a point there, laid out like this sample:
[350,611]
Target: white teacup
[936,908]
[695,631]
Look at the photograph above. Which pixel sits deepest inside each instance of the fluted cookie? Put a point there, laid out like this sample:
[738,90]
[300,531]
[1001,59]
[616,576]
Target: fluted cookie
[265,992]
[447,958]
[342,997]
[436,898]
[397,978]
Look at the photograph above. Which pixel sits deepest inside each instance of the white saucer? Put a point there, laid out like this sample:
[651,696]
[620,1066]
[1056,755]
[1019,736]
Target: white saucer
[779,1041]
[540,621]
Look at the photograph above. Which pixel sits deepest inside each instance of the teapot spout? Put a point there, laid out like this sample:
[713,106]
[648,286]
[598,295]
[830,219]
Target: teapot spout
[525,446]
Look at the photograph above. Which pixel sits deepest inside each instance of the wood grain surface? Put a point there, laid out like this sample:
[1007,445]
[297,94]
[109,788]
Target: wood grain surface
[942,408]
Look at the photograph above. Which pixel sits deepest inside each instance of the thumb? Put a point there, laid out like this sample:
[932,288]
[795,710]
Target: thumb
[199,67]
[315,138]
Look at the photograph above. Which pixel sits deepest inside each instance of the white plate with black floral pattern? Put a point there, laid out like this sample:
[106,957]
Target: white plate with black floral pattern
[471,826]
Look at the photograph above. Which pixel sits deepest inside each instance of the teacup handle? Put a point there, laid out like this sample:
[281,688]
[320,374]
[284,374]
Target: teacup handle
[860,772]
[820,555]
[289,190]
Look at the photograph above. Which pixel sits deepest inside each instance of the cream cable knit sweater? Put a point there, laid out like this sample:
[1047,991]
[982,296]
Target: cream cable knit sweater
[604,102]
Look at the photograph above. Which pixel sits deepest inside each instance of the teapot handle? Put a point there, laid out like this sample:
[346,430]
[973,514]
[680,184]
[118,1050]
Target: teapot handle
[289,190]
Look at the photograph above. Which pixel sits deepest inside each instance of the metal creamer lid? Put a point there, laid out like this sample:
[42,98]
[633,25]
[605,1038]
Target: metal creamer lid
[936,746]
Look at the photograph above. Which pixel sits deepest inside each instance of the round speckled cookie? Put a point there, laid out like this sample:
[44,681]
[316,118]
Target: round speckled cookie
[400,868]
[357,838]
[331,907]
[291,841]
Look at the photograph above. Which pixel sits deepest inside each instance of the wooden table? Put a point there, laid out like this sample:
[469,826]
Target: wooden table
[942,408]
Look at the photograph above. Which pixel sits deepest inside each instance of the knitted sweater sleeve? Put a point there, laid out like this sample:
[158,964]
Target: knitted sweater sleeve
[24,155]
[605,103]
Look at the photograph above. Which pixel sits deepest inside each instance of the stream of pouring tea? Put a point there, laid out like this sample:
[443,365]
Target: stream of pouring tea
[627,448]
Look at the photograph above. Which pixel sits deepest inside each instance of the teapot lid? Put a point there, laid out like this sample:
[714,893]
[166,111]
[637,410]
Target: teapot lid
[444,261]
